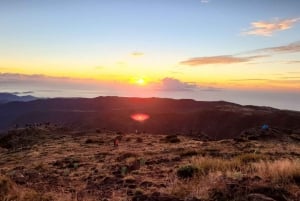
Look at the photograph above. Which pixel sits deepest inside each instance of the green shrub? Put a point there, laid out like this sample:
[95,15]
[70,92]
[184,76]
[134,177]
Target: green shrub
[124,170]
[188,171]
[142,161]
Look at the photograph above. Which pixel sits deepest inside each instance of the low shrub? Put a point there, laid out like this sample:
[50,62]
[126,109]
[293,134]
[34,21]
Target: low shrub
[189,153]
[172,139]
[5,187]
[186,172]
[139,140]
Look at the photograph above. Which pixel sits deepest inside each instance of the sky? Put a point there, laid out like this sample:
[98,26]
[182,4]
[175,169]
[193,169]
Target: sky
[247,52]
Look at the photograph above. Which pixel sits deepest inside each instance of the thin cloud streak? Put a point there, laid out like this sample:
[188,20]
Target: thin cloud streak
[223,59]
[290,48]
[137,54]
[293,62]
[237,58]
[23,93]
[205,1]
[280,80]
[265,28]
[246,80]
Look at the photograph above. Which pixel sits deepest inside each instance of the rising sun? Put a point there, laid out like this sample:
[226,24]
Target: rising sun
[140,81]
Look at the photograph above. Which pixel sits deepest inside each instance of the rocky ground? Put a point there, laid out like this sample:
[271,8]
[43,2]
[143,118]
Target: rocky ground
[45,163]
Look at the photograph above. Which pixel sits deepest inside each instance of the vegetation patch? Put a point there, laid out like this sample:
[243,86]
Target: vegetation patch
[206,165]
[94,141]
[188,153]
[279,171]
[10,192]
[126,155]
[22,139]
[171,139]
[250,158]
[68,162]
[186,172]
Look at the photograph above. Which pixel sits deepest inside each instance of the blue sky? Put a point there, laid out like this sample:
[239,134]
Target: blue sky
[186,26]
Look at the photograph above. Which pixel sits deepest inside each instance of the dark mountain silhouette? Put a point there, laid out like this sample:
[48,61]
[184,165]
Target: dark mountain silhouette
[217,120]
[8,97]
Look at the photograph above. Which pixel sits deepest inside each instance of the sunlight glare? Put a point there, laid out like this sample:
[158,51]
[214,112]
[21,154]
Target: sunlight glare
[140,117]
[140,81]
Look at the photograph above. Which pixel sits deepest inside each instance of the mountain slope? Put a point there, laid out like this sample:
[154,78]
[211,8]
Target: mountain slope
[217,120]
[8,97]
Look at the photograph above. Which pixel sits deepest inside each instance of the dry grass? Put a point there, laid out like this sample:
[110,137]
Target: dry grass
[211,172]
[279,171]
[250,158]
[196,187]
[207,164]
[10,192]
[215,171]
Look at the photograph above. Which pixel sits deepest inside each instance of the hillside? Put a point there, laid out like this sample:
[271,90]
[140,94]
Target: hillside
[218,120]
[49,163]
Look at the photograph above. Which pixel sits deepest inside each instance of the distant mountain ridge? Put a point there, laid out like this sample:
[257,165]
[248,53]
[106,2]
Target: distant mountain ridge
[218,119]
[9,97]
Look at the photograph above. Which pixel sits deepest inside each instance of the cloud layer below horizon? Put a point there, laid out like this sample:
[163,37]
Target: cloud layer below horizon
[43,86]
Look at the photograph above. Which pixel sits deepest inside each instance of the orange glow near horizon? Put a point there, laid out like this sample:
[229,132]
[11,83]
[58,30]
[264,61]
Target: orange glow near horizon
[140,117]
[233,77]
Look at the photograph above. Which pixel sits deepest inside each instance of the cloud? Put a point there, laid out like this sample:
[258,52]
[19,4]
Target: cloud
[237,58]
[264,28]
[223,59]
[25,77]
[293,62]
[23,93]
[171,84]
[51,86]
[290,77]
[251,79]
[205,1]
[290,48]
[279,80]
[137,54]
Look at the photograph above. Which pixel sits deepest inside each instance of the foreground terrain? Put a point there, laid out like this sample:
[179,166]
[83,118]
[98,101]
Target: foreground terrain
[51,163]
